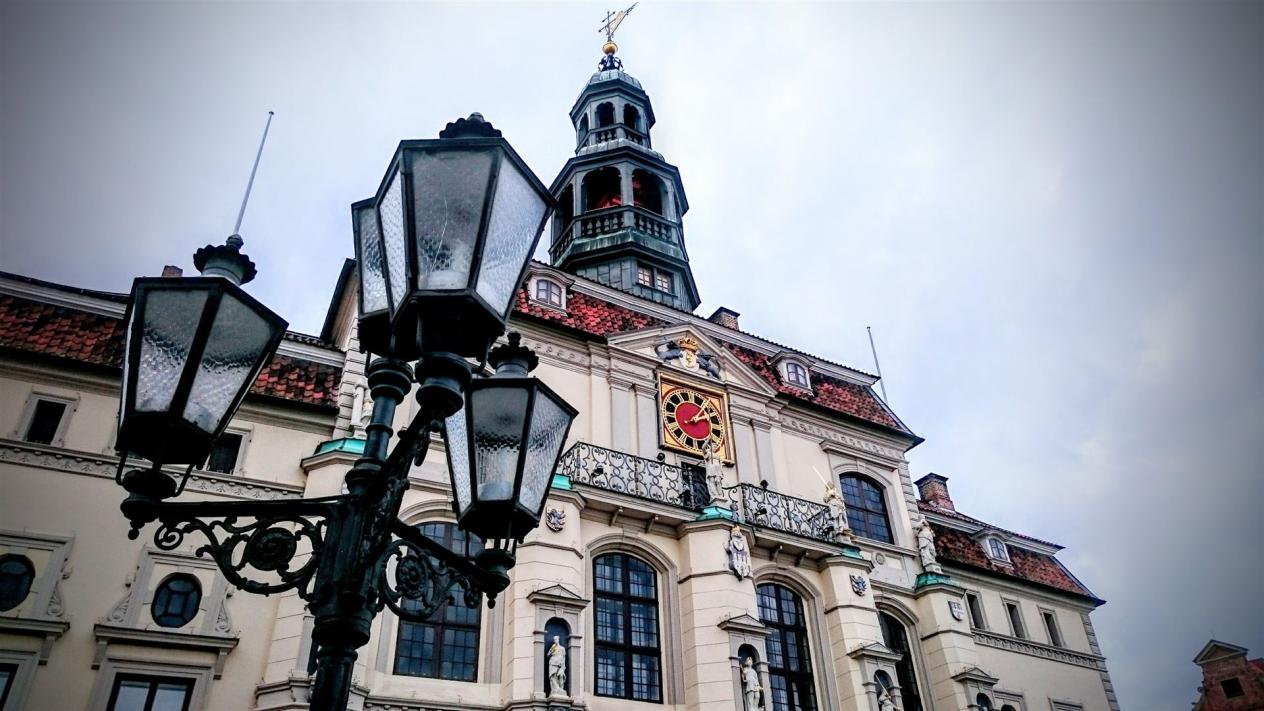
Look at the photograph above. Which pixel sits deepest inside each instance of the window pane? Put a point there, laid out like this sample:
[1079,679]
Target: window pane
[644,625]
[610,681]
[223,457]
[170,697]
[645,678]
[610,621]
[610,574]
[44,421]
[131,695]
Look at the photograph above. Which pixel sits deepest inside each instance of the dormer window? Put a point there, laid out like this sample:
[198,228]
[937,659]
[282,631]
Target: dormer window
[548,292]
[797,375]
[655,278]
[996,550]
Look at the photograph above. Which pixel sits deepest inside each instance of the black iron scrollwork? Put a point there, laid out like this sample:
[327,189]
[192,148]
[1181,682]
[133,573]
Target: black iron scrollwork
[415,582]
[268,544]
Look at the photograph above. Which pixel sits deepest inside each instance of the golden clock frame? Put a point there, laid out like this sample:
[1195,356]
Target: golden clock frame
[666,384]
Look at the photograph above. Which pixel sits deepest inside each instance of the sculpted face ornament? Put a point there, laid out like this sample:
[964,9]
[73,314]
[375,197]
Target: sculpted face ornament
[555,519]
[858,584]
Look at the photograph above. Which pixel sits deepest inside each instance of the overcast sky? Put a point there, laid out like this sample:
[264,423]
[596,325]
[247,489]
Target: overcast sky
[1052,215]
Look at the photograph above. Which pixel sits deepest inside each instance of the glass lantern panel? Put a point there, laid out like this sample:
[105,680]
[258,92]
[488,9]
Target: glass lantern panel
[549,425]
[459,459]
[239,336]
[171,318]
[372,269]
[391,222]
[511,233]
[497,416]
[449,188]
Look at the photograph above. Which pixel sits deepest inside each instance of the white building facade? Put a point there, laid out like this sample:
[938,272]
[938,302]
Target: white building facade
[723,499]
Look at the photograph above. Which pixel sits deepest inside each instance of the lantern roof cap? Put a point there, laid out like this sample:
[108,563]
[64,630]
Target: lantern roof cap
[225,260]
[513,353]
[473,127]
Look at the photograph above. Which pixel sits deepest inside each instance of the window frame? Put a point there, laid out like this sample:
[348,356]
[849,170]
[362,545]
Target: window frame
[791,367]
[199,676]
[30,574]
[1014,614]
[551,288]
[450,536]
[1225,690]
[196,594]
[238,458]
[154,681]
[977,599]
[1053,630]
[858,513]
[776,630]
[996,549]
[71,403]
[628,648]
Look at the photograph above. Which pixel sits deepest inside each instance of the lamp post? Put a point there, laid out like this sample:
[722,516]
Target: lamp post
[441,249]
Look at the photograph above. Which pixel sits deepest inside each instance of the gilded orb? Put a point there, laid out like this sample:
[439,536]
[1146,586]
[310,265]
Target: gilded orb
[610,47]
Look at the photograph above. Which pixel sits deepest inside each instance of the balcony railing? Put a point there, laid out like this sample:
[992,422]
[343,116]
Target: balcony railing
[685,487]
[609,220]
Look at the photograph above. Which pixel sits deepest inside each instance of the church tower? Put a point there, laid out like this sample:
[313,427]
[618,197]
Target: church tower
[620,203]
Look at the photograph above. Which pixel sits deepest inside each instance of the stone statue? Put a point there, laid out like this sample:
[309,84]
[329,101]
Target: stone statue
[715,474]
[739,553]
[557,668]
[750,686]
[926,548]
[837,514]
[885,702]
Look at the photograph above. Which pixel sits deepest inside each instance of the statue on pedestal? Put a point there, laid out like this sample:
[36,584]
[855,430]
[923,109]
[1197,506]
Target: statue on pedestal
[557,669]
[885,702]
[837,514]
[750,686]
[715,475]
[926,548]
[739,553]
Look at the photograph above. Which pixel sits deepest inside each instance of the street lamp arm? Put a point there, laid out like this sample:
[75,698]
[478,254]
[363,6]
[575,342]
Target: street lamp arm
[419,571]
[278,550]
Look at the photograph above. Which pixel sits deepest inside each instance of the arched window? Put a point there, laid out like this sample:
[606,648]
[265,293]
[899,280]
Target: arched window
[983,702]
[896,639]
[583,126]
[631,117]
[548,292]
[445,646]
[605,115]
[562,631]
[866,510]
[629,661]
[996,549]
[176,600]
[647,191]
[16,576]
[602,188]
[789,660]
[566,206]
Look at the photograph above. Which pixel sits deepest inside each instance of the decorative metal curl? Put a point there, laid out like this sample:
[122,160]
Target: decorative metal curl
[262,544]
[421,579]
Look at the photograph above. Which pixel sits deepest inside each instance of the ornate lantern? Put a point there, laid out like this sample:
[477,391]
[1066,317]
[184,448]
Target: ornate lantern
[504,446]
[375,317]
[459,217]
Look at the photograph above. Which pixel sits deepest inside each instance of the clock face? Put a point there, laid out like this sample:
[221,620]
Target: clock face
[694,420]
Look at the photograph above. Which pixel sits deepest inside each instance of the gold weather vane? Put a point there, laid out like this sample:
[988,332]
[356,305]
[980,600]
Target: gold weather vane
[612,21]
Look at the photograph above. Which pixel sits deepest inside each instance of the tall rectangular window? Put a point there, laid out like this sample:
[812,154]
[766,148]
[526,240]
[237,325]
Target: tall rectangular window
[1051,627]
[628,655]
[8,672]
[445,645]
[976,611]
[1015,619]
[45,420]
[789,660]
[224,454]
[150,693]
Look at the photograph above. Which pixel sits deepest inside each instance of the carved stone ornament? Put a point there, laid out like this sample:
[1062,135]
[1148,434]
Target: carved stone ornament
[957,610]
[858,584]
[739,553]
[555,519]
[687,353]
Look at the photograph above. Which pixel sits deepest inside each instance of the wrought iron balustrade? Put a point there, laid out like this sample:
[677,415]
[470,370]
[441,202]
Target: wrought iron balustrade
[783,512]
[637,476]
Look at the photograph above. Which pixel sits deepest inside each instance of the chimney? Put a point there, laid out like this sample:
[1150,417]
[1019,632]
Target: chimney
[725,317]
[934,490]
[170,271]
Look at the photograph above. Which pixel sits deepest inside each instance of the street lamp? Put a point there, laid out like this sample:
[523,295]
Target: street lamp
[442,249]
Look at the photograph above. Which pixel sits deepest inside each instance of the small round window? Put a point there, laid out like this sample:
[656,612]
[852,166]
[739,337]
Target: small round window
[16,576]
[176,600]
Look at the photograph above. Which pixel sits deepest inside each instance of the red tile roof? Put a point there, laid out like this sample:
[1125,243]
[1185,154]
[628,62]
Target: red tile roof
[956,546]
[96,339]
[593,316]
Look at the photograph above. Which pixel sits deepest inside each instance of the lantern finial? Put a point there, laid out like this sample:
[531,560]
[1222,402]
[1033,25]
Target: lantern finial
[225,260]
[473,127]
[513,358]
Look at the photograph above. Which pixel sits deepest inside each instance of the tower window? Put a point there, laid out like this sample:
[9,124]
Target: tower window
[977,620]
[45,421]
[1232,688]
[605,115]
[176,600]
[631,117]
[654,278]
[1051,627]
[566,206]
[662,281]
[647,191]
[603,188]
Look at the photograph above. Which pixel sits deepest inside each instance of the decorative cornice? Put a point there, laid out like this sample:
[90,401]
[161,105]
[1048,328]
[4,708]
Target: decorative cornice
[220,646]
[1035,649]
[874,650]
[50,630]
[104,466]
[744,623]
[560,596]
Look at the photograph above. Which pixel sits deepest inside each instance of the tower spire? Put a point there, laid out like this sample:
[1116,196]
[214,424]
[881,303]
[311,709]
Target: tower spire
[611,23]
